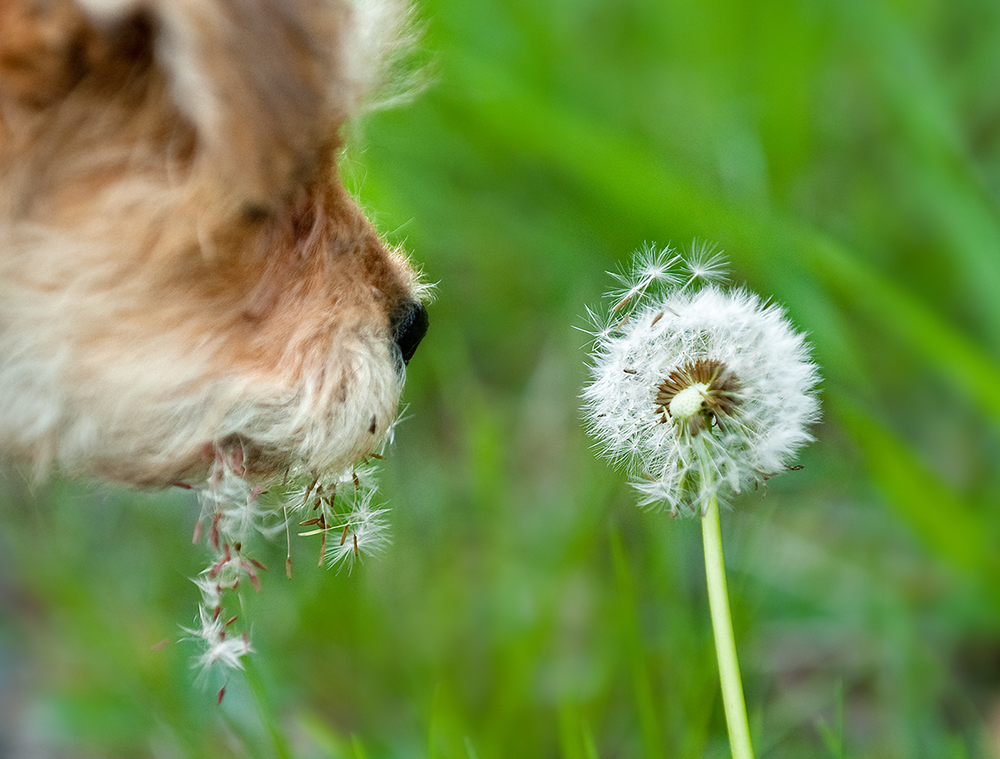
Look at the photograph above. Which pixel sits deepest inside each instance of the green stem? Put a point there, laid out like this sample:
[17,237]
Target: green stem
[725,642]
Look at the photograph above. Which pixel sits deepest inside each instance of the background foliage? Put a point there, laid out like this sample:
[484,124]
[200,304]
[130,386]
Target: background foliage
[846,155]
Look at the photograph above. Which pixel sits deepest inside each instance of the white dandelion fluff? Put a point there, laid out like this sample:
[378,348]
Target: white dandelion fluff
[699,391]
[338,507]
[706,263]
[221,647]
[361,531]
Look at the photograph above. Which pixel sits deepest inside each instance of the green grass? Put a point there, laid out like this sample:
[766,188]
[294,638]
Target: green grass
[846,157]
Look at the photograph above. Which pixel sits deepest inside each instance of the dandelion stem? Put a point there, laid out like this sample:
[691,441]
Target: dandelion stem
[725,643]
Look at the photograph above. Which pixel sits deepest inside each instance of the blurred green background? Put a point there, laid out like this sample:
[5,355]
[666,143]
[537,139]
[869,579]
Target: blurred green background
[846,155]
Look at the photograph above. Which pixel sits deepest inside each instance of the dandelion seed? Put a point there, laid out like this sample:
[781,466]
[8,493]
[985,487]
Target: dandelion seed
[368,529]
[220,649]
[703,390]
[706,264]
[233,510]
[651,268]
[211,591]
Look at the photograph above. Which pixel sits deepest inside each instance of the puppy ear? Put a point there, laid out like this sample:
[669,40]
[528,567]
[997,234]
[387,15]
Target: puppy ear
[254,78]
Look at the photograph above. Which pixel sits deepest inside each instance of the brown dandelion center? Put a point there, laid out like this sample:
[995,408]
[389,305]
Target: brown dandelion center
[698,394]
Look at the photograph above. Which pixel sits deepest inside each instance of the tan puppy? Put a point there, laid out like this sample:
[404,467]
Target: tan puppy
[182,275]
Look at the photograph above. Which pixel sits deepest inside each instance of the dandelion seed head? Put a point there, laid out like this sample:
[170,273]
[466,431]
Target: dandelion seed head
[701,391]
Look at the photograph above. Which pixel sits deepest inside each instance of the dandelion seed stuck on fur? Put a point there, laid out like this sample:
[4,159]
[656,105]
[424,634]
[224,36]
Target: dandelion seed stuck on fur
[235,511]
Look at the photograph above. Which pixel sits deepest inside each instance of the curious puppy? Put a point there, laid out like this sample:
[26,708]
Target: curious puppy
[182,275]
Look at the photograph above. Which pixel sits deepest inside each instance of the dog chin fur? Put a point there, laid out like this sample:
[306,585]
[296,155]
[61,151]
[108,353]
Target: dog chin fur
[181,271]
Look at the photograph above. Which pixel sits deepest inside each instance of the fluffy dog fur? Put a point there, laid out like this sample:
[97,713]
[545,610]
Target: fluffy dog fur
[181,271]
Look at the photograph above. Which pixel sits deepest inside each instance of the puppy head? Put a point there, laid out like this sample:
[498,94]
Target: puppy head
[181,271]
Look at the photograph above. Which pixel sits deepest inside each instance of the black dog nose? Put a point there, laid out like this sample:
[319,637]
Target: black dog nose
[409,325]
